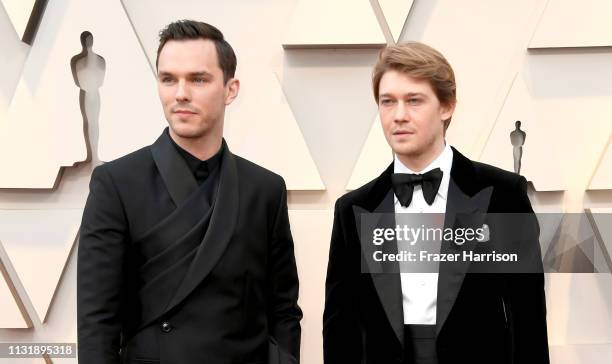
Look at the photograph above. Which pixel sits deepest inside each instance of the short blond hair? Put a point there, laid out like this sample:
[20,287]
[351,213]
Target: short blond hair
[422,62]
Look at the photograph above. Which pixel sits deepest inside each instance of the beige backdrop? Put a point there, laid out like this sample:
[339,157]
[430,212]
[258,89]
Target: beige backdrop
[305,111]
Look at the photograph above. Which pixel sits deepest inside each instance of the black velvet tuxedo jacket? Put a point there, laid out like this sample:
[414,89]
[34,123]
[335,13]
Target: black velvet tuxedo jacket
[165,275]
[481,317]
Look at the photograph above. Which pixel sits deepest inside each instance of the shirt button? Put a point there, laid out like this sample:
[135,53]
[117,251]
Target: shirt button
[166,327]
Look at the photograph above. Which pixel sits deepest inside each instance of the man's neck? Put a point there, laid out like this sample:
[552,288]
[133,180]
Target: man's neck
[417,163]
[203,147]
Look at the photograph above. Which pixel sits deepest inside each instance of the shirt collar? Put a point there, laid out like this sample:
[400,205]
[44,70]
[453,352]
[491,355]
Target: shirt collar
[193,162]
[444,161]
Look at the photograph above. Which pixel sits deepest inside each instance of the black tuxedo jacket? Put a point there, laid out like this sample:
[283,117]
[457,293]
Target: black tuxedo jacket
[481,317]
[167,275]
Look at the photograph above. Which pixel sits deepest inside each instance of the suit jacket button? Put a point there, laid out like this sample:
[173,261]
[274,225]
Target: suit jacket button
[166,327]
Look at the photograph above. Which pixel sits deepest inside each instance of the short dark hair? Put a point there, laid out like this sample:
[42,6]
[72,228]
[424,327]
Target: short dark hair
[190,29]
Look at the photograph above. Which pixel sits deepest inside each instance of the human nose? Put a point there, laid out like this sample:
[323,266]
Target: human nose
[399,114]
[182,91]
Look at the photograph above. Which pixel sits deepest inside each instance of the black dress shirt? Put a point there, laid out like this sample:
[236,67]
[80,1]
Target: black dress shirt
[200,169]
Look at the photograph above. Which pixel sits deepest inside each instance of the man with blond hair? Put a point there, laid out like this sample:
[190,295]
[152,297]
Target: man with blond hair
[452,314]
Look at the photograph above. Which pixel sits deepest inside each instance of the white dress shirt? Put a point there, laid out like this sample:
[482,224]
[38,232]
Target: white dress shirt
[420,290]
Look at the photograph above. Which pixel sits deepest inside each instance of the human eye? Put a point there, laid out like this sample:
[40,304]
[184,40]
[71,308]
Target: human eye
[414,100]
[166,79]
[386,101]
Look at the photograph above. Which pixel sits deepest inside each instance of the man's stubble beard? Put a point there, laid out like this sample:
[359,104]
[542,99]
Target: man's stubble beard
[193,133]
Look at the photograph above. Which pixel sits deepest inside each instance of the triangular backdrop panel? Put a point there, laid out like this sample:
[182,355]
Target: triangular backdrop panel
[395,12]
[602,179]
[569,116]
[19,12]
[374,158]
[264,130]
[339,23]
[574,24]
[38,243]
[493,60]
[541,146]
[12,57]
[10,314]
[45,117]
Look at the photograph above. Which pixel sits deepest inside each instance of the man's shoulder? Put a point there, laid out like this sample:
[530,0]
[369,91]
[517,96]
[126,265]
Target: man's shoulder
[257,174]
[495,176]
[358,195]
[482,174]
[130,164]
[376,189]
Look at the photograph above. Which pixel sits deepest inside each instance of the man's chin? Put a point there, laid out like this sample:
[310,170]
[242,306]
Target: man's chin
[183,130]
[405,150]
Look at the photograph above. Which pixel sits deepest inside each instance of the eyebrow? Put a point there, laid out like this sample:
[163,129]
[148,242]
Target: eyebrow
[409,94]
[191,74]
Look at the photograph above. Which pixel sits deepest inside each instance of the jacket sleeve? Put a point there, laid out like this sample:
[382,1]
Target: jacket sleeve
[526,297]
[341,329]
[283,310]
[100,270]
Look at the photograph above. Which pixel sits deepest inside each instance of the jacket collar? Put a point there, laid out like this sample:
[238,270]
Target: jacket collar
[175,172]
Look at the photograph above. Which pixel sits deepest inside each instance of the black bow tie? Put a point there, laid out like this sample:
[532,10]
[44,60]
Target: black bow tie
[403,185]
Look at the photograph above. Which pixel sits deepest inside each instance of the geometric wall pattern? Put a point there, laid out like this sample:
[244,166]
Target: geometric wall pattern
[577,245]
[24,16]
[574,24]
[312,78]
[43,109]
[10,314]
[396,14]
[497,79]
[45,106]
[37,243]
[273,116]
[315,24]
[539,129]
[375,154]
[12,57]
[312,268]
[483,78]
[569,114]
[19,13]
[600,220]
[602,178]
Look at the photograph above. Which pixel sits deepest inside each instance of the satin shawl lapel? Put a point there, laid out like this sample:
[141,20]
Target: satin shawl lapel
[173,169]
[220,230]
[465,196]
[388,286]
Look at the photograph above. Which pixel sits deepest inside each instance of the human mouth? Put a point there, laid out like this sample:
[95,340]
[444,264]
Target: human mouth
[403,132]
[184,112]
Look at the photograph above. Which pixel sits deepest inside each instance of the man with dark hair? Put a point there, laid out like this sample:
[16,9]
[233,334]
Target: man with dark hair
[454,313]
[185,252]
